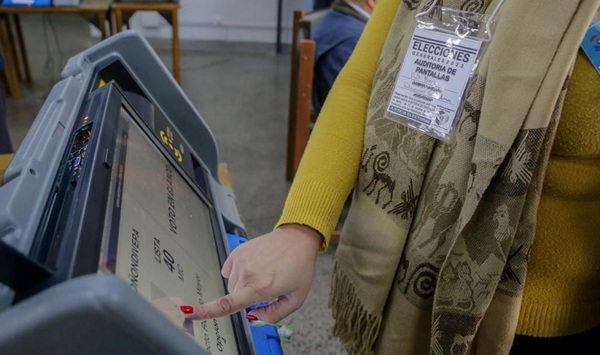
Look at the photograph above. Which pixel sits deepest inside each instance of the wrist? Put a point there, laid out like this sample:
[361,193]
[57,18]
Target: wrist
[305,233]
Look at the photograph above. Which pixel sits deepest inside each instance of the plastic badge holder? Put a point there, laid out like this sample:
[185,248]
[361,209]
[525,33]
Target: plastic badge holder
[591,45]
[438,68]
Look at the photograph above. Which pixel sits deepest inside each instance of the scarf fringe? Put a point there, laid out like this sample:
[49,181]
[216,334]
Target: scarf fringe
[355,327]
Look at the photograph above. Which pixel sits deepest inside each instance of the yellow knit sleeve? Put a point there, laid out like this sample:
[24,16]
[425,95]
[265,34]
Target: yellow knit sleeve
[329,166]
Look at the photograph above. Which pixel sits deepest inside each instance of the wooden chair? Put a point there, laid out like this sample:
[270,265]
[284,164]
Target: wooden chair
[14,50]
[301,116]
[14,69]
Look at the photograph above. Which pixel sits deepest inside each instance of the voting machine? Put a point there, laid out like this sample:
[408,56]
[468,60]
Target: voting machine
[112,215]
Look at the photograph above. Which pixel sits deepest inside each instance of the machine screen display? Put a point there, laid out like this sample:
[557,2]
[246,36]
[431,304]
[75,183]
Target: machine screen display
[159,237]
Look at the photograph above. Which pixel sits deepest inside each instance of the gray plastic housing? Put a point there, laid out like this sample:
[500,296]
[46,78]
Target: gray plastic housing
[94,314]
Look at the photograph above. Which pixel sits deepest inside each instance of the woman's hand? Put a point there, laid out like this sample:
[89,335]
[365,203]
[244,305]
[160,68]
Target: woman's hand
[276,267]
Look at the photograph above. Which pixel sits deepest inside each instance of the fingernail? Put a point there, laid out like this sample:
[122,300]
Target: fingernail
[251,317]
[187,309]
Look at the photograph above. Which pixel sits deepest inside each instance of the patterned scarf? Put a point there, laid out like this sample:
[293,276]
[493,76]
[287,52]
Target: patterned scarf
[433,254]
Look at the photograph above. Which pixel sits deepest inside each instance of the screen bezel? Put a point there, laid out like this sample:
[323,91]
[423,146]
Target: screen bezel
[82,222]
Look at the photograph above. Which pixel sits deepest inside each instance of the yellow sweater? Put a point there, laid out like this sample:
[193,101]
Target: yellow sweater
[562,291]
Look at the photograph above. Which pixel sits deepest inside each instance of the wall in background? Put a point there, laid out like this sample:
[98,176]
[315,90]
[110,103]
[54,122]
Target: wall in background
[225,20]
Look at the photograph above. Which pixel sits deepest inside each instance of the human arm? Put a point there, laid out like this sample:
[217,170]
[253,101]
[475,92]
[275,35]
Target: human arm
[329,165]
[279,265]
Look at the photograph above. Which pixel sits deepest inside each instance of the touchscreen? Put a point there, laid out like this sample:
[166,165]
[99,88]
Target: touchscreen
[159,238]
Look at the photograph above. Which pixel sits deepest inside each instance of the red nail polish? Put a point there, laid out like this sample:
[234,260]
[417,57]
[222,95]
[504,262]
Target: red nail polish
[187,309]
[251,317]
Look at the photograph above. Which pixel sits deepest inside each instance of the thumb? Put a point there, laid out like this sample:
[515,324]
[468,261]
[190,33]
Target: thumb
[276,310]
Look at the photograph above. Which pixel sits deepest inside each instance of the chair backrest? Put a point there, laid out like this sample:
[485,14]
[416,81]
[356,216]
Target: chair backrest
[311,20]
[302,73]
[300,113]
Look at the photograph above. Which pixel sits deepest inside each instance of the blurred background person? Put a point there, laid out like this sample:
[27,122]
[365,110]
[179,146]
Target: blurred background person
[321,4]
[336,36]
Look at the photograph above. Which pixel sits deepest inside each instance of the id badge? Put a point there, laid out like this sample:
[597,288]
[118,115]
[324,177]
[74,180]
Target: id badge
[591,45]
[437,69]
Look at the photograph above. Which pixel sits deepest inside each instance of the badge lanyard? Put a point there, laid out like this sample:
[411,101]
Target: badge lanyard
[437,69]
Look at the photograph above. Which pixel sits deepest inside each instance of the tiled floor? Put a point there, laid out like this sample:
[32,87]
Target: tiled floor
[242,93]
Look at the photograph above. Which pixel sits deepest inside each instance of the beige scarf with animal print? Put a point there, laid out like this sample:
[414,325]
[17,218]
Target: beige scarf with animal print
[433,254]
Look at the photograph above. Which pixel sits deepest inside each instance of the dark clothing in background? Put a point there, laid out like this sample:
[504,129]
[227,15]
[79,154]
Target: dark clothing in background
[335,37]
[580,343]
[5,145]
[321,4]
